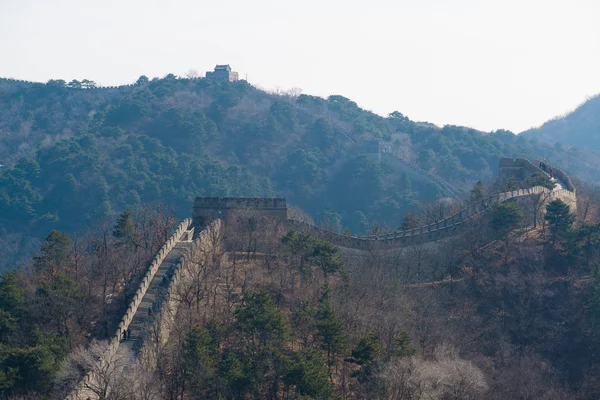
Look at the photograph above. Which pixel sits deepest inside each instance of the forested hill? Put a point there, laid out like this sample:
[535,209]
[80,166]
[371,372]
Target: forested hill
[579,128]
[74,154]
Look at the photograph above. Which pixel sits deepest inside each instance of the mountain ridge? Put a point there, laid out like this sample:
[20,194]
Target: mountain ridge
[76,156]
[580,127]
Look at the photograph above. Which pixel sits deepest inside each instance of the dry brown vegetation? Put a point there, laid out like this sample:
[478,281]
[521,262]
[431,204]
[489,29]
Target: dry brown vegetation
[480,318]
[373,295]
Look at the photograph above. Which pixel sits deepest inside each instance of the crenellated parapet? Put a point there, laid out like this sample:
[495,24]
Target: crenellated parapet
[521,168]
[82,390]
[510,168]
[207,209]
[442,229]
[517,168]
[210,211]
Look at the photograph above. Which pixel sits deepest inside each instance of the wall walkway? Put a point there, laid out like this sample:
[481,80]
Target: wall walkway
[149,305]
[136,314]
[455,223]
[168,271]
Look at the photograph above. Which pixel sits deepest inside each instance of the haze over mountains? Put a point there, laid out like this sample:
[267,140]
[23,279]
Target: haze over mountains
[75,154]
[580,128]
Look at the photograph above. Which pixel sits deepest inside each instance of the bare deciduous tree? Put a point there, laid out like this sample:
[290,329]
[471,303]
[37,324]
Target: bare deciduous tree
[104,367]
[192,73]
[445,377]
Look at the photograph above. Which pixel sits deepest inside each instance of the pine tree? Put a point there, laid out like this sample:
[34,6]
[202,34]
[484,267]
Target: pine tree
[559,218]
[589,235]
[402,345]
[299,244]
[125,228]
[263,330]
[56,253]
[367,353]
[200,356]
[367,350]
[505,217]
[329,327]
[12,302]
[477,192]
[326,256]
[260,320]
[309,375]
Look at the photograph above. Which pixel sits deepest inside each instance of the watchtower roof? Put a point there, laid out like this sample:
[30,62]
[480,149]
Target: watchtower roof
[223,67]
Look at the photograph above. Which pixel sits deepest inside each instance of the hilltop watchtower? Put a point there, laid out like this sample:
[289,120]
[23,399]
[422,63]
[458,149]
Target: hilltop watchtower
[222,73]
[208,209]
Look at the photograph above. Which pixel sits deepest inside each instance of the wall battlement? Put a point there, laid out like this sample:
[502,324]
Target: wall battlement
[521,168]
[221,208]
[517,168]
[207,209]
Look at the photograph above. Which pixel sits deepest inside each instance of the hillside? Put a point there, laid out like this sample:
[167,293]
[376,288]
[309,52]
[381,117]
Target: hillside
[580,128]
[501,311]
[75,155]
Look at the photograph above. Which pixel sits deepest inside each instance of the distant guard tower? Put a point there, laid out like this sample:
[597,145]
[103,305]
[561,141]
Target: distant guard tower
[373,149]
[222,73]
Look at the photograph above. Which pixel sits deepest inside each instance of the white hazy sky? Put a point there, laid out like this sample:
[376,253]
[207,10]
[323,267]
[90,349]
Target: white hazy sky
[488,64]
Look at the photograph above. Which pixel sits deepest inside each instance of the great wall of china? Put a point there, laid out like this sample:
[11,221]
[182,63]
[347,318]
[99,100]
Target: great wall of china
[517,168]
[84,389]
[194,237]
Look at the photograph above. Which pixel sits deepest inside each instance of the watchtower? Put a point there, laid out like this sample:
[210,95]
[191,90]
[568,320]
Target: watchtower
[208,209]
[222,73]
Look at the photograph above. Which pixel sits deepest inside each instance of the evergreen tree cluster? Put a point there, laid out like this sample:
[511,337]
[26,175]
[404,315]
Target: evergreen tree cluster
[76,289]
[72,155]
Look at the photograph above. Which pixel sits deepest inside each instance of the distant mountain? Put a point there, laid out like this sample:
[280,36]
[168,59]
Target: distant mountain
[74,154]
[580,128]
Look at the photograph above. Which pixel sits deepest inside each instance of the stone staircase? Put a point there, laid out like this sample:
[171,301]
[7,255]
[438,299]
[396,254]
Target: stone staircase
[137,318]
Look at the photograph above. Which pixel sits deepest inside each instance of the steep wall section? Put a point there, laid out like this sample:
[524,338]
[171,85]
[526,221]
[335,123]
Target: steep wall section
[81,391]
[563,177]
[164,320]
[517,168]
[521,168]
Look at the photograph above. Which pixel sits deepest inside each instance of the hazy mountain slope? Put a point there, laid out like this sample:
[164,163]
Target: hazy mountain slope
[76,156]
[579,128]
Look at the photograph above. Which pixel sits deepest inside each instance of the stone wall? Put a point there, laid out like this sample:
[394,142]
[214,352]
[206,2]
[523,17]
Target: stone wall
[516,168]
[521,168]
[564,178]
[80,391]
[447,227]
[214,209]
[208,239]
[207,209]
